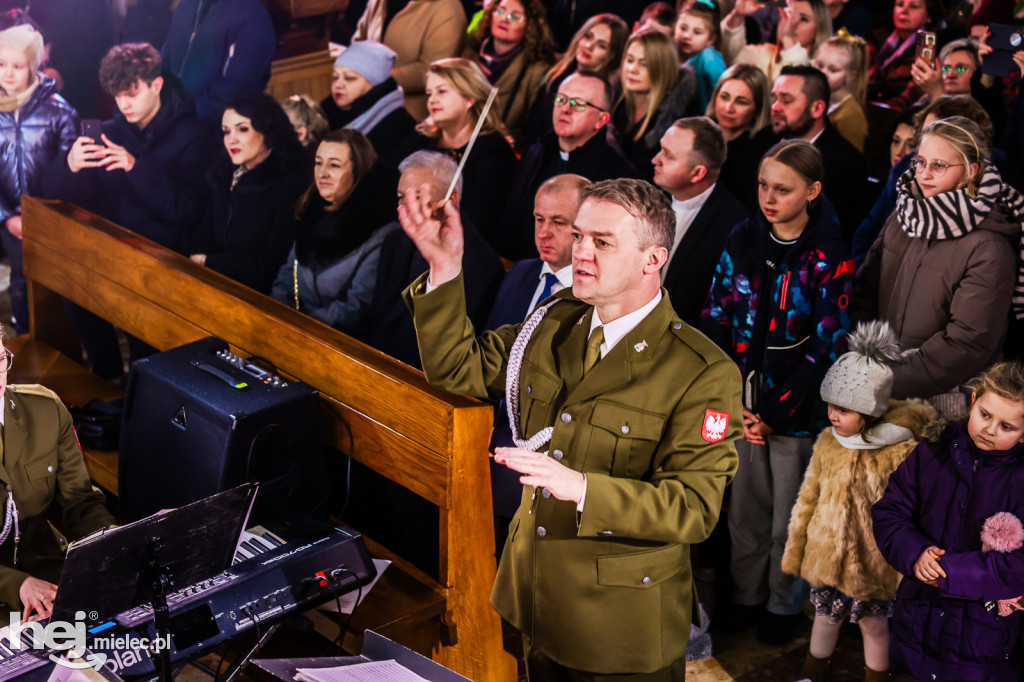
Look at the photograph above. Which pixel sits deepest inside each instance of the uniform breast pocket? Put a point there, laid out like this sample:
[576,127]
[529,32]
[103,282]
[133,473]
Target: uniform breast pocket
[42,479]
[630,434]
[537,390]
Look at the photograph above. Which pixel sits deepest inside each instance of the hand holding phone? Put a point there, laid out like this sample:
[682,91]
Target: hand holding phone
[925,46]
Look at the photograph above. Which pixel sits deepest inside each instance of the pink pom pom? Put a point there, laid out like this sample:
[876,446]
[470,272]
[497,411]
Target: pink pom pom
[1003,532]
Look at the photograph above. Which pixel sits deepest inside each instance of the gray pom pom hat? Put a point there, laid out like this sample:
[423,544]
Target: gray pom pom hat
[861,380]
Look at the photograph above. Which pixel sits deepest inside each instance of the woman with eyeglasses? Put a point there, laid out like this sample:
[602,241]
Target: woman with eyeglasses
[596,47]
[655,92]
[514,48]
[891,80]
[343,219]
[945,268]
[456,93]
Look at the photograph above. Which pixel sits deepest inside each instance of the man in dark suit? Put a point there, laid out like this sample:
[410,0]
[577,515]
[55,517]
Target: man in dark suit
[687,167]
[576,145]
[389,326]
[532,280]
[800,97]
[527,284]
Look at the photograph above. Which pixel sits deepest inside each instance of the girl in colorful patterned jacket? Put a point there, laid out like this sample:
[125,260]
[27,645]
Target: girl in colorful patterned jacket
[830,542]
[930,525]
[777,305]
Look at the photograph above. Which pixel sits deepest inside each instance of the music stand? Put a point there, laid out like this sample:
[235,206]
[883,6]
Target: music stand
[120,568]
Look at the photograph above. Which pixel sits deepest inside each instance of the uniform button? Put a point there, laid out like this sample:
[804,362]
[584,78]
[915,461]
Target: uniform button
[625,428]
[566,417]
[545,493]
[542,531]
[676,325]
[50,468]
[646,580]
[557,454]
[606,532]
[529,390]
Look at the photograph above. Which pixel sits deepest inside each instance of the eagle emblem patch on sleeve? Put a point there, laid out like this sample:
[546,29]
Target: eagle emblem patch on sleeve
[715,425]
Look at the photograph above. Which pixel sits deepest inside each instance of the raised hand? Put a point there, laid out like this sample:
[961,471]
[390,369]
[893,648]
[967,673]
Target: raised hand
[436,230]
[742,9]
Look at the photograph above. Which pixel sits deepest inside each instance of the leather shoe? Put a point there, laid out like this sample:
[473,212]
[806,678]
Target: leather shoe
[776,629]
[738,617]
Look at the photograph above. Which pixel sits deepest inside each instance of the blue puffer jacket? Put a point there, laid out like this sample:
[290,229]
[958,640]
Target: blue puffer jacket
[810,292]
[942,495]
[30,138]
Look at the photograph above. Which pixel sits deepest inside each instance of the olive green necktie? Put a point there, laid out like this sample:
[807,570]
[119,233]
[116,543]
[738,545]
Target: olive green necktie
[593,349]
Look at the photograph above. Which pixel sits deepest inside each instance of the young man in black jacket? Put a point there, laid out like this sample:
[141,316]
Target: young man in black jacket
[145,172]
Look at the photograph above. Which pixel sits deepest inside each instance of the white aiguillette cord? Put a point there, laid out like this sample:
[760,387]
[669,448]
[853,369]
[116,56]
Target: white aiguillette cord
[469,145]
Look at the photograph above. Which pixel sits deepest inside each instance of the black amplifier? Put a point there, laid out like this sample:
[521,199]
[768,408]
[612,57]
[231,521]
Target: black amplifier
[199,419]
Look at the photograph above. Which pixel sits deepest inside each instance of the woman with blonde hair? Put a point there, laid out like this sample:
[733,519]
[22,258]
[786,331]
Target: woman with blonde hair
[843,59]
[943,270]
[803,25]
[596,47]
[514,48]
[655,92]
[456,93]
[739,105]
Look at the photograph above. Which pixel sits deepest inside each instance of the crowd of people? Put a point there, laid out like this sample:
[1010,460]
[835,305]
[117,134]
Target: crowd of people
[822,170]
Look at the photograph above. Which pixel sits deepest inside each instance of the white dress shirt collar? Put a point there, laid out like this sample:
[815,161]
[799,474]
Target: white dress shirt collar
[616,329]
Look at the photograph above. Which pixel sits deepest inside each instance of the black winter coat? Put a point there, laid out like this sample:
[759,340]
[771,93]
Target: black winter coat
[246,231]
[164,193]
[30,139]
[388,135]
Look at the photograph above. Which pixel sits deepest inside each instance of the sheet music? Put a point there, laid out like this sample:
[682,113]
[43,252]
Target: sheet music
[348,600]
[372,671]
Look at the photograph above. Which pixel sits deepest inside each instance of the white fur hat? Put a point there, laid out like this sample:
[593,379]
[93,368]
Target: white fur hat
[25,38]
[861,380]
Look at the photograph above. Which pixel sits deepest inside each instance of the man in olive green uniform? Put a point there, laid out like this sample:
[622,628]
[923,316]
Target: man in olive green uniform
[41,460]
[642,412]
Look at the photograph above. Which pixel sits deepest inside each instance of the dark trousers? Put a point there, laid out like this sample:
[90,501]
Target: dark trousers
[99,338]
[540,668]
[19,287]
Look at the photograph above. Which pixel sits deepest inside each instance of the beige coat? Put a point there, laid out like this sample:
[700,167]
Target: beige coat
[831,542]
[422,33]
[514,102]
[766,57]
[849,119]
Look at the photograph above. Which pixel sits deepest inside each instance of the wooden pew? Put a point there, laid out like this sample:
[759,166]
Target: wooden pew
[428,441]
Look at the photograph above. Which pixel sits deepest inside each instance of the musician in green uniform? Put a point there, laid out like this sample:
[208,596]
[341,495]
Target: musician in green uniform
[40,460]
[626,418]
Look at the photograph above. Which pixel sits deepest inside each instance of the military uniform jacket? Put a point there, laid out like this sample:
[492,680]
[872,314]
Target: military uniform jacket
[42,461]
[652,425]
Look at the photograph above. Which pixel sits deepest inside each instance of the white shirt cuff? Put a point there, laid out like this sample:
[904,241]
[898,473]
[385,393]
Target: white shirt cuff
[583,498]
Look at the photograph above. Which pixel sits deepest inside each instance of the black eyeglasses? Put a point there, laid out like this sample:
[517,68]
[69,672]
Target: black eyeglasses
[576,104]
[7,361]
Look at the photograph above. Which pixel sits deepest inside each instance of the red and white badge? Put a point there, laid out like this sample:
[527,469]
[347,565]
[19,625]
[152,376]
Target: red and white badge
[715,425]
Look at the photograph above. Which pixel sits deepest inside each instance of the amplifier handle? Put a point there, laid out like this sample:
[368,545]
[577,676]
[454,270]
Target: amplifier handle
[220,374]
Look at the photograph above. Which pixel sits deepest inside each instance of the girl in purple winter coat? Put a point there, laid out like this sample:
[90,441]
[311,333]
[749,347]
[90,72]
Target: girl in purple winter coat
[928,526]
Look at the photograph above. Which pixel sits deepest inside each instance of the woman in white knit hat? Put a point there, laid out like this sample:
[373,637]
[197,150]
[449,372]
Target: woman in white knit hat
[36,125]
[831,544]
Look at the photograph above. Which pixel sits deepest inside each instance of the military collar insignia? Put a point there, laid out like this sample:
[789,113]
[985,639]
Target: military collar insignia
[640,346]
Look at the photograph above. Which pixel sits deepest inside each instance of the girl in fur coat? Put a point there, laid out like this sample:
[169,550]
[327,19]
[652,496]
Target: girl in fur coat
[831,544]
